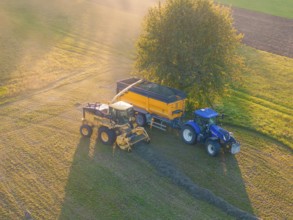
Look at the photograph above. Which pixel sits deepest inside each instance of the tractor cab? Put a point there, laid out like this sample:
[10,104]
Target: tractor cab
[205,118]
[121,112]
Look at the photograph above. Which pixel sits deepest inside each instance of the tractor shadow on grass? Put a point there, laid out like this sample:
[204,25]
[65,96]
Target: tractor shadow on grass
[91,187]
[217,181]
[76,179]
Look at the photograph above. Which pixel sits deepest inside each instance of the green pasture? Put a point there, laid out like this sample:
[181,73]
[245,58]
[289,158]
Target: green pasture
[263,101]
[281,8]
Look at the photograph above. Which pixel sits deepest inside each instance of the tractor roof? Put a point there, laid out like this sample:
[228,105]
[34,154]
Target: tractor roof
[120,105]
[206,113]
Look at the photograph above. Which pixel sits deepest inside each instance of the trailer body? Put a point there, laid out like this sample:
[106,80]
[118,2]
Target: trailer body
[160,105]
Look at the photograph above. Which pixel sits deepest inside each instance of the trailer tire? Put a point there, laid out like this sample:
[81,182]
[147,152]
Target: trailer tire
[213,147]
[140,119]
[86,130]
[106,136]
[188,134]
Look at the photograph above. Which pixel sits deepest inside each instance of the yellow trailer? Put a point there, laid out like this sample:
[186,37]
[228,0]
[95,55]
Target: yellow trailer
[156,105]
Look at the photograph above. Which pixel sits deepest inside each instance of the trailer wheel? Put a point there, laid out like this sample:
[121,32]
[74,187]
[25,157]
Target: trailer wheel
[106,136]
[86,130]
[213,148]
[188,134]
[140,119]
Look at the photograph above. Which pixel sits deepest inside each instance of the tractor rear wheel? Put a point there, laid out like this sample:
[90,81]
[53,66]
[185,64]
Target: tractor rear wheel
[213,148]
[106,136]
[188,134]
[86,130]
[140,119]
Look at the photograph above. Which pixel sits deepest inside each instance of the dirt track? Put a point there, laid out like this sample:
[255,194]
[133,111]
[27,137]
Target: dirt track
[265,32]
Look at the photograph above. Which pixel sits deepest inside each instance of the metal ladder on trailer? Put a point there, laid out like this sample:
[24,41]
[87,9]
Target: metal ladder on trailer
[159,123]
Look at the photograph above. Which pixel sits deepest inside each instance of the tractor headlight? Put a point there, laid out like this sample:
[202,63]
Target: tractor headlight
[224,138]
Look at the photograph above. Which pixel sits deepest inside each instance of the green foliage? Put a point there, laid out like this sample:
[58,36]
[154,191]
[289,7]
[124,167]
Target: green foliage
[190,45]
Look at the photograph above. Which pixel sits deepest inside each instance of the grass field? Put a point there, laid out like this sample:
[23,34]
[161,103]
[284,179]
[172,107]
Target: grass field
[263,103]
[283,8]
[73,54]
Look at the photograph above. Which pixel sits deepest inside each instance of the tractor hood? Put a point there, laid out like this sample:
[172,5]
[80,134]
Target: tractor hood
[220,133]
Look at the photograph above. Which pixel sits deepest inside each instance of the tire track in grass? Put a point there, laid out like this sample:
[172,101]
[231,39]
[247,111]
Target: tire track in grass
[166,169]
[262,102]
[266,120]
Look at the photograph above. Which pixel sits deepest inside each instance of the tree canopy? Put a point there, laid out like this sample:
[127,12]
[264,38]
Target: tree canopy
[190,45]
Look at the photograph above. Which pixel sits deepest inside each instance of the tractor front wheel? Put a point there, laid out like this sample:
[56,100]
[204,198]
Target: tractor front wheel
[213,148]
[106,136]
[188,134]
[86,130]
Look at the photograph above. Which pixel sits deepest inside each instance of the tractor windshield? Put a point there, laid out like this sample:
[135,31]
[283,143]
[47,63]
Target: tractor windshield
[212,121]
[123,116]
[204,122]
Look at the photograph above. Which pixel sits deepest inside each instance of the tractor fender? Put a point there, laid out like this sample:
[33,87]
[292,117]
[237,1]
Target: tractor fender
[195,126]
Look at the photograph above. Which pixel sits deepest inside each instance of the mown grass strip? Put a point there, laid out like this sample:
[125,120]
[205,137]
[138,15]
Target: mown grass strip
[263,102]
[254,116]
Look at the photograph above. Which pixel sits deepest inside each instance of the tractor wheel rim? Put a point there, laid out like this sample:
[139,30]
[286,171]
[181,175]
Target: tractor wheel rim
[211,148]
[85,131]
[187,135]
[104,137]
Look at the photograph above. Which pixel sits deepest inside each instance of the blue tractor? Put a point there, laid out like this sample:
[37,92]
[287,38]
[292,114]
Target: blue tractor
[204,129]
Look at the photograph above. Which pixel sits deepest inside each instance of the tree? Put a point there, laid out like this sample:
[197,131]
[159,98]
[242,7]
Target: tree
[190,45]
